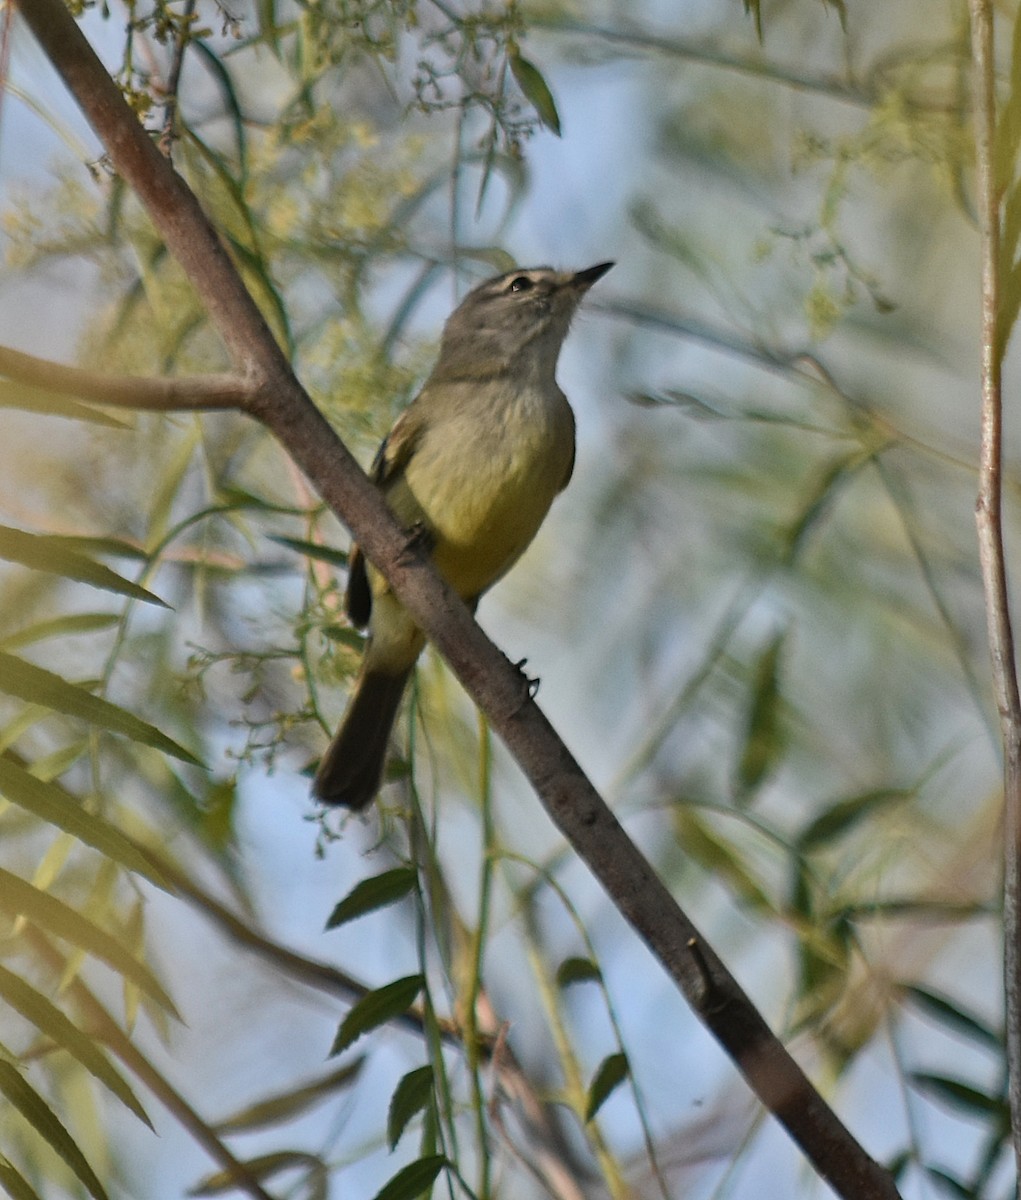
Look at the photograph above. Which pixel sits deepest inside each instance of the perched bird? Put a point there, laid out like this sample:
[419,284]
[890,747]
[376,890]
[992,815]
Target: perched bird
[474,462]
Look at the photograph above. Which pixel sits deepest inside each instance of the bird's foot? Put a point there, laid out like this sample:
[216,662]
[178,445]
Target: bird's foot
[419,541]
[530,686]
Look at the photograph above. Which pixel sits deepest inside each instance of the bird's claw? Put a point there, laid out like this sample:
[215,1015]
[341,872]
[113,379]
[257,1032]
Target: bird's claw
[531,686]
[419,541]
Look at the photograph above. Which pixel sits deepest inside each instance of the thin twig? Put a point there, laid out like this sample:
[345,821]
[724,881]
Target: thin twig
[174,79]
[162,394]
[988,513]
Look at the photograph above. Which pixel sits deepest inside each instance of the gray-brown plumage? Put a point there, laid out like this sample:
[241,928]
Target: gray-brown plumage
[475,462]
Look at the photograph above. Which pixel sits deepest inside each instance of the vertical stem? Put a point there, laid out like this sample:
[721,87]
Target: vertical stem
[988,514]
[475,985]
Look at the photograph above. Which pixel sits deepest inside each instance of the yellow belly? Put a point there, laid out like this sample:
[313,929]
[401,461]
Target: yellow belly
[482,489]
[481,479]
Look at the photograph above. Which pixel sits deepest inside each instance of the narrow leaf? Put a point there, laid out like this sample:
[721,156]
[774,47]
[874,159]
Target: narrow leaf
[834,476]
[1008,123]
[1010,297]
[231,102]
[375,1009]
[951,1015]
[763,740]
[283,1107]
[720,858]
[844,815]
[92,544]
[949,1184]
[49,1020]
[53,915]
[535,90]
[51,803]
[327,554]
[41,1117]
[262,1167]
[612,1072]
[52,554]
[37,686]
[15,1184]
[414,1179]
[240,498]
[68,626]
[961,1097]
[411,1095]
[577,970]
[370,894]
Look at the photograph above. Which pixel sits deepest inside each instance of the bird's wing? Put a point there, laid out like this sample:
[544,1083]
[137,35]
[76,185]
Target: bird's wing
[391,458]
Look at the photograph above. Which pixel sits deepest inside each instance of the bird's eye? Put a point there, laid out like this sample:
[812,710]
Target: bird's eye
[521,284]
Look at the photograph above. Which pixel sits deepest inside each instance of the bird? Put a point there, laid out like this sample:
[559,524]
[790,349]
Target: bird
[472,467]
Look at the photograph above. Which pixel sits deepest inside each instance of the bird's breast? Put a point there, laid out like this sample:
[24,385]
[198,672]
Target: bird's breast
[483,477]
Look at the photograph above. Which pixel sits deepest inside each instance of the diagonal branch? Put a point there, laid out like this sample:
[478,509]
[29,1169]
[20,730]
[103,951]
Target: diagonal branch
[497,687]
[989,518]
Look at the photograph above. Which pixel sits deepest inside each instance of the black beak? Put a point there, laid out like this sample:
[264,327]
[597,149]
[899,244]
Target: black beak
[585,279]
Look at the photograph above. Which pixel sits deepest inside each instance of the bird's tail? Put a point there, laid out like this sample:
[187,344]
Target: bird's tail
[351,770]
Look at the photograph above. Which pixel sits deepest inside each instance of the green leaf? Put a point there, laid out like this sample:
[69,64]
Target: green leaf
[345,636]
[68,626]
[284,1106]
[225,83]
[942,911]
[414,1179]
[378,1007]
[713,852]
[14,1184]
[961,1097]
[35,685]
[41,1117]
[49,1020]
[216,814]
[51,803]
[824,959]
[262,1167]
[1010,235]
[327,554]
[241,498]
[1007,138]
[370,894]
[612,1072]
[91,544]
[52,766]
[844,815]
[44,552]
[835,476]
[949,1014]
[578,970]
[535,89]
[412,1094]
[763,734]
[1010,291]
[52,914]
[949,1184]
